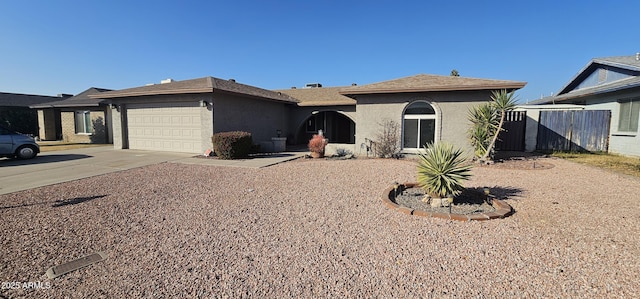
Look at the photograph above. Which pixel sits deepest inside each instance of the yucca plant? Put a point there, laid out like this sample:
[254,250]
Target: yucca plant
[484,123]
[442,170]
[503,102]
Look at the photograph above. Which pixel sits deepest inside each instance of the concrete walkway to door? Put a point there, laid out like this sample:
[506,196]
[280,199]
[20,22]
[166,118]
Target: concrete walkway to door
[62,166]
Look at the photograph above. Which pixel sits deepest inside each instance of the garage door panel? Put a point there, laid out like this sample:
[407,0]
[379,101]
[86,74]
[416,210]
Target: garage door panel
[165,127]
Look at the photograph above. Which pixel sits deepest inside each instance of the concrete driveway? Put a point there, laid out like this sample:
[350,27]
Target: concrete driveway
[62,166]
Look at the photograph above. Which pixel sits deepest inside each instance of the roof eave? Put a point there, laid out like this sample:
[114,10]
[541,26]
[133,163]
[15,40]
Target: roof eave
[568,96]
[292,101]
[320,104]
[591,64]
[149,93]
[617,64]
[64,106]
[444,88]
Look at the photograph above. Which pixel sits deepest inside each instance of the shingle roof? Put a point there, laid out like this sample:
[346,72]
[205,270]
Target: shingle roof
[633,82]
[200,85]
[626,62]
[24,100]
[623,62]
[425,83]
[81,99]
[320,96]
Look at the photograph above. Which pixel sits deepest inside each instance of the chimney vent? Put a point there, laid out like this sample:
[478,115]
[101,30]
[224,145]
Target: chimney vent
[293,87]
[313,85]
[232,80]
[354,84]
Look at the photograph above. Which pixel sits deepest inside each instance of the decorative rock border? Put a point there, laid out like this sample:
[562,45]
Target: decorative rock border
[503,209]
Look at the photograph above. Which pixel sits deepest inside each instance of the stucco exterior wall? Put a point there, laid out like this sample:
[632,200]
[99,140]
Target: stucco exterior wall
[117,124]
[261,118]
[451,115]
[98,120]
[624,143]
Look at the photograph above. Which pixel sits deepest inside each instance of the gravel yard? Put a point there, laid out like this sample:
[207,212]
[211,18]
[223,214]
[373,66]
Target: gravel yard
[318,228]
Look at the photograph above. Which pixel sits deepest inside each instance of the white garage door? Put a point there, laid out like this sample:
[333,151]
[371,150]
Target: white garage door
[171,127]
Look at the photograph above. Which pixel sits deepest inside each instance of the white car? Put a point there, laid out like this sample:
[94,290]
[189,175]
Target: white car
[13,144]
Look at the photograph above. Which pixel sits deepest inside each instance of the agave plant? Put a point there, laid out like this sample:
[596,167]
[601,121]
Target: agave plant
[442,169]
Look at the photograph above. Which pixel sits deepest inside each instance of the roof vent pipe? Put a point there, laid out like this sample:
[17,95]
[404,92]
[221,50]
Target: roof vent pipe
[232,80]
[169,80]
[354,84]
[637,56]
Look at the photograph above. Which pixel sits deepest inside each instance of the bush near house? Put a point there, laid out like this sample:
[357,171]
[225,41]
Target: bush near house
[232,145]
[386,143]
[317,144]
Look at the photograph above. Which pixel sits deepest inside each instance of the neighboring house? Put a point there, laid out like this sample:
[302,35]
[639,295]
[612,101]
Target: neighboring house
[610,83]
[182,115]
[78,119]
[15,113]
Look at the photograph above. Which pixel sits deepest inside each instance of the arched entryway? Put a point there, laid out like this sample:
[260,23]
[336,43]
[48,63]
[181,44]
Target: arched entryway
[336,127]
[418,125]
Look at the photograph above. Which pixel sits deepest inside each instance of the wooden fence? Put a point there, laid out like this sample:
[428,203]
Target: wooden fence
[574,130]
[512,138]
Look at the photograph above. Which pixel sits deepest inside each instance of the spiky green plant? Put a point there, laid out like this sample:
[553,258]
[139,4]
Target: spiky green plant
[442,170]
[502,101]
[484,123]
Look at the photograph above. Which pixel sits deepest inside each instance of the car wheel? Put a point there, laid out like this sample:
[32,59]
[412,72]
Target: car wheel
[26,152]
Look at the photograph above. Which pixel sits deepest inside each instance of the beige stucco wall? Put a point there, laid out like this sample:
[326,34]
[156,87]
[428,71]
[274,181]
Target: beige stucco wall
[98,119]
[451,114]
[261,118]
[117,124]
[624,143]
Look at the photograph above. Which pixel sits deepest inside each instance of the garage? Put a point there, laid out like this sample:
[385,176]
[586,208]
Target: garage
[174,127]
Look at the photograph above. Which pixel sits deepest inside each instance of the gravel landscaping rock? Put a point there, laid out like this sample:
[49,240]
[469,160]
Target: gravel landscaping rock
[317,228]
[470,201]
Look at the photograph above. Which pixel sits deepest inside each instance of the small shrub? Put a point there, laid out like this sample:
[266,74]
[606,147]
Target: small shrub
[442,169]
[232,145]
[317,144]
[386,143]
[341,152]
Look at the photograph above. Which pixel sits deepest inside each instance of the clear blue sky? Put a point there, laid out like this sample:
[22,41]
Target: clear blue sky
[50,47]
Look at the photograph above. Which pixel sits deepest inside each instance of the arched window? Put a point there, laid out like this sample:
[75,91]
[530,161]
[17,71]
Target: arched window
[419,125]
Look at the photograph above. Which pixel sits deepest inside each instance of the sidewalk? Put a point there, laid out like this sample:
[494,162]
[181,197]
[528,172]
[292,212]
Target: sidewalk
[255,161]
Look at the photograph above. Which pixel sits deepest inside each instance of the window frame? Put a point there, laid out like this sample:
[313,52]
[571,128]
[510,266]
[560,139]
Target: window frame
[625,124]
[419,117]
[87,127]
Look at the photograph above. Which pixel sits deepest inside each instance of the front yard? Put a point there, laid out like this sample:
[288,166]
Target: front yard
[310,228]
